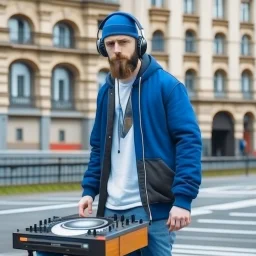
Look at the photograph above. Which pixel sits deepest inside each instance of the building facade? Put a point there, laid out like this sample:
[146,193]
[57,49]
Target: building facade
[50,70]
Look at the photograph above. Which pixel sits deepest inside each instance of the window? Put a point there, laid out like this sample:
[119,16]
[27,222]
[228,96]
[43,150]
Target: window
[158,3]
[62,89]
[245,46]
[190,42]
[190,81]
[19,134]
[20,31]
[20,82]
[20,85]
[63,36]
[219,83]
[246,84]
[102,78]
[218,9]
[245,11]
[61,135]
[219,44]
[189,6]
[158,42]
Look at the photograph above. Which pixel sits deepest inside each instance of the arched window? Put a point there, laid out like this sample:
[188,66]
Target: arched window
[190,44]
[190,81]
[63,35]
[219,44]
[246,84]
[158,42]
[20,84]
[19,30]
[102,77]
[62,89]
[245,46]
[219,83]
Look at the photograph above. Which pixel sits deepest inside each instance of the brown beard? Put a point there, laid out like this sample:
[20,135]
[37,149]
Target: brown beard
[121,67]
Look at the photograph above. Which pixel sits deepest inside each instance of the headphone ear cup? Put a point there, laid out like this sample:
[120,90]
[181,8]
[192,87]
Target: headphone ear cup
[101,48]
[141,46]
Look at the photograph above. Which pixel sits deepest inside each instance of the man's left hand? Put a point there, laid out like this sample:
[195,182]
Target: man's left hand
[178,218]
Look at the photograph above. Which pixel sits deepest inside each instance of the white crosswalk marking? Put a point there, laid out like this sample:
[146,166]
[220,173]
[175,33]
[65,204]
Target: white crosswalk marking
[181,249]
[219,231]
[242,214]
[229,222]
[211,253]
[214,248]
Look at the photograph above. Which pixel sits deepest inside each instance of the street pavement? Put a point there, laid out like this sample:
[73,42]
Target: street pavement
[223,217]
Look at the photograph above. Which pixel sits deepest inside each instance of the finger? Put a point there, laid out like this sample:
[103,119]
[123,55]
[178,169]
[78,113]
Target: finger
[183,223]
[177,224]
[172,225]
[81,211]
[90,207]
[168,221]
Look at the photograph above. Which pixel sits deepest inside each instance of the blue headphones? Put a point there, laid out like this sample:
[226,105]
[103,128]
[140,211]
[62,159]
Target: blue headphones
[141,41]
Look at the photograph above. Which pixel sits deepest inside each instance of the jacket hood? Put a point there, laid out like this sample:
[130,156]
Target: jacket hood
[148,67]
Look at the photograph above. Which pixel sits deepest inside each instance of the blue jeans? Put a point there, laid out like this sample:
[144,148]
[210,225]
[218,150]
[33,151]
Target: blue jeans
[160,240]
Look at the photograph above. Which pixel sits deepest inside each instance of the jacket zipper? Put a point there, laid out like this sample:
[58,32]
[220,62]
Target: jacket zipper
[143,153]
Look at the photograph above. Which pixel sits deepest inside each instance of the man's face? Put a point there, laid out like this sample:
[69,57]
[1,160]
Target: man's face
[122,55]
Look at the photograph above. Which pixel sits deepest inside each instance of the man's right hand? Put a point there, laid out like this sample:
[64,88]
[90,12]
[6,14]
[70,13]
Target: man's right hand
[85,203]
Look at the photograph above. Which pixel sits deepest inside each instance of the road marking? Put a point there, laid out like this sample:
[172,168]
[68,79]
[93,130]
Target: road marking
[42,208]
[27,203]
[217,189]
[233,205]
[229,222]
[210,253]
[221,195]
[242,214]
[220,231]
[216,239]
[226,206]
[21,253]
[214,248]
[198,211]
[68,198]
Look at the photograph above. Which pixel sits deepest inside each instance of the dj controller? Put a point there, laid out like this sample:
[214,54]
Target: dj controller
[90,236]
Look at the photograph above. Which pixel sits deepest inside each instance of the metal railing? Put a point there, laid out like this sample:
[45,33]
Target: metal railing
[68,169]
[20,171]
[62,104]
[22,101]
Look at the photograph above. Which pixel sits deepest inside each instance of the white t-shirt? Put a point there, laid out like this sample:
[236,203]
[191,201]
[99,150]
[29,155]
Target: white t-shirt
[123,188]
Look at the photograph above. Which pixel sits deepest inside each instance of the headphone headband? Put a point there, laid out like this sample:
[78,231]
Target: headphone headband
[141,41]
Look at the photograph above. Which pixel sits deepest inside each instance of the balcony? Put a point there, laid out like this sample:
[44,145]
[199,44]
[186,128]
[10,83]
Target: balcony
[62,105]
[64,42]
[102,1]
[21,38]
[21,101]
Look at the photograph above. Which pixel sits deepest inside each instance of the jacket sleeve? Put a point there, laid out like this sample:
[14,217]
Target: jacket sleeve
[186,135]
[91,179]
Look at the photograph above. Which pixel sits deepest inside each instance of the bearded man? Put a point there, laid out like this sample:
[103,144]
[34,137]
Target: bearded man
[145,143]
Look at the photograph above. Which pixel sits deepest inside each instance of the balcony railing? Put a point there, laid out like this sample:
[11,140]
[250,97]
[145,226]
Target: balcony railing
[247,95]
[103,1]
[21,101]
[62,104]
[21,38]
[63,41]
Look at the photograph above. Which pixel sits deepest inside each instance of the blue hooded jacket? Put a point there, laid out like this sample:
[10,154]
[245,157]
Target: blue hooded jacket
[167,142]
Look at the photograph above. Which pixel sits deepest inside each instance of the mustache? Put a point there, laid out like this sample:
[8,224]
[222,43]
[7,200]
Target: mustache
[119,57]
